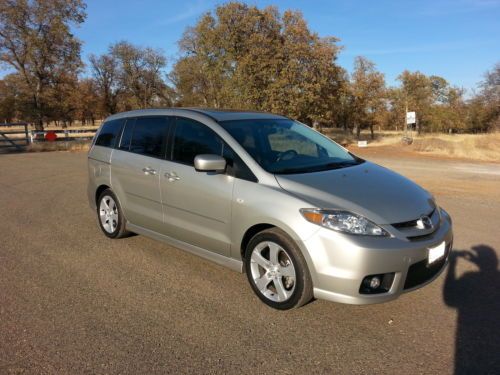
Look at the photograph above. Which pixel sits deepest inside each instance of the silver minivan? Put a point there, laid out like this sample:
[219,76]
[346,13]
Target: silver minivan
[268,196]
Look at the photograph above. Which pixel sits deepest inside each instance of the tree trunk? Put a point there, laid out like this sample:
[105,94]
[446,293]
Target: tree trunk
[38,113]
[371,131]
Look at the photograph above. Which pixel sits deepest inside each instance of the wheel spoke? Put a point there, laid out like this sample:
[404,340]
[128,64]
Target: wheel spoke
[260,260]
[274,250]
[280,289]
[107,226]
[262,282]
[106,206]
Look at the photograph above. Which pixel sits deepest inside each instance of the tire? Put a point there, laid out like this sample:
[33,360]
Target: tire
[110,215]
[277,270]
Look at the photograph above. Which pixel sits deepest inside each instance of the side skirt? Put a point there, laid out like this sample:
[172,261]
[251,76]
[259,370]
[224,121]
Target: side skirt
[235,265]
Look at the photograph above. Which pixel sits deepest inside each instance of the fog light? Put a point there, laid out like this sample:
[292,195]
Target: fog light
[375,282]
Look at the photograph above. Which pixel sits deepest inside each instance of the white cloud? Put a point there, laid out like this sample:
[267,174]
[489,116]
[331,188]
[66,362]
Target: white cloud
[193,9]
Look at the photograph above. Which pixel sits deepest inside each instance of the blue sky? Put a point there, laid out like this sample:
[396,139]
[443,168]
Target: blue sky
[456,39]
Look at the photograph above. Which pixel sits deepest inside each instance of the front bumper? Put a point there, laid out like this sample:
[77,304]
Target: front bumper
[339,263]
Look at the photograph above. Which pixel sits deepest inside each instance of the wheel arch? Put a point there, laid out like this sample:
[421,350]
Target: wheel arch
[250,232]
[263,225]
[99,191]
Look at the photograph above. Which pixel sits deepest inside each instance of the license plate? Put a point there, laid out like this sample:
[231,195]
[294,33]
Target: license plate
[436,253]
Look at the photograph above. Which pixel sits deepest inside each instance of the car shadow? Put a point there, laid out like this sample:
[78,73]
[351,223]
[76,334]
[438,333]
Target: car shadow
[476,296]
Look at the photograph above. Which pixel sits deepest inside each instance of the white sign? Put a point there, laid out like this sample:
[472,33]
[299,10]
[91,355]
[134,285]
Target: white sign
[411,118]
[362,143]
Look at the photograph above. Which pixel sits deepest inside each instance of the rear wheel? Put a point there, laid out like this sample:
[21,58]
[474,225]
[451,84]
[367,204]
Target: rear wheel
[277,271]
[110,216]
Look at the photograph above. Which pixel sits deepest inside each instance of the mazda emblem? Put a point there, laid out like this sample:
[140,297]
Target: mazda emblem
[424,222]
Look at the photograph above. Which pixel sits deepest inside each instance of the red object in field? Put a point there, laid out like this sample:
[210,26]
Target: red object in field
[51,136]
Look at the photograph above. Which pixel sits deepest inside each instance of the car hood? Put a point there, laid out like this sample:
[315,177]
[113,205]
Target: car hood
[368,189]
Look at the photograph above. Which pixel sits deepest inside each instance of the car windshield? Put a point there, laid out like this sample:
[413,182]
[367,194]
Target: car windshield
[286,147]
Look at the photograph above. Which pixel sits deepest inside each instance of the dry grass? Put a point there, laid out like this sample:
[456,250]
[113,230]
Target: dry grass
[483,147]
[74,146]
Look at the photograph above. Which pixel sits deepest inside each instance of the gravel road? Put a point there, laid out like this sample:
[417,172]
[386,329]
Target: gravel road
[73,301]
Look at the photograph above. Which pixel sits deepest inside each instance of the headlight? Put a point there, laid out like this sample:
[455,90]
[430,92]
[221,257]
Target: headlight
[343,221]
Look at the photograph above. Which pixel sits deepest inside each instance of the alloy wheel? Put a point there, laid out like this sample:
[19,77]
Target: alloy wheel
[272,271]
[108,214]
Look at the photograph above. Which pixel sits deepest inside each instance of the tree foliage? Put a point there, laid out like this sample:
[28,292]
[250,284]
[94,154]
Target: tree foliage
[36,41]
[244,57]
[368,92]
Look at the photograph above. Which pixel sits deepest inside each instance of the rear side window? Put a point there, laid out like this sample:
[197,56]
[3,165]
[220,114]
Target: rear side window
[193,138]
[109,133]
[149,136]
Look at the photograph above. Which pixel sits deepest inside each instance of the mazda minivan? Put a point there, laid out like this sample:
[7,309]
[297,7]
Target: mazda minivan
[268,196]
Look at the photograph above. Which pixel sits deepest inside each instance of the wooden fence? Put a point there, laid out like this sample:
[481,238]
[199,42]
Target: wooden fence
[18,135]
[17,138]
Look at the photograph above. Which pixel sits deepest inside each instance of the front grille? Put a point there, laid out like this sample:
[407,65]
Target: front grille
[420,272]
[413,232]
[410,224]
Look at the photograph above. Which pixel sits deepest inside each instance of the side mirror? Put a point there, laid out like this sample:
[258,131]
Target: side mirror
[209,163]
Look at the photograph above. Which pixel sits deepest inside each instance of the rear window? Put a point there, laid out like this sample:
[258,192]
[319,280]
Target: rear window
[109,133]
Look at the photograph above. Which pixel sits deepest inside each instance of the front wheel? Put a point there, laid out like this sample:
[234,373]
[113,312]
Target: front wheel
[277,270]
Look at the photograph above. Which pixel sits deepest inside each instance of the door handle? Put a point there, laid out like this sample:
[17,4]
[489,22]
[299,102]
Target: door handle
[149,171]
[172,176]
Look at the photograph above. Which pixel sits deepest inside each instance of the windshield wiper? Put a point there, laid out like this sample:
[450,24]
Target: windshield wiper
[319,168]
[342,164]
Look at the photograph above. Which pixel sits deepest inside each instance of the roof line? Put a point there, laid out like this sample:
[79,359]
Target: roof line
[199,111]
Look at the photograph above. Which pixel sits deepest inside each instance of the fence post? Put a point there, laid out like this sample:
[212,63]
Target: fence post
[28,140]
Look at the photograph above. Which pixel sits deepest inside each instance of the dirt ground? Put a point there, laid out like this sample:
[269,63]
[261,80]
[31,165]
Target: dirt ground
[457,147]
[73,301]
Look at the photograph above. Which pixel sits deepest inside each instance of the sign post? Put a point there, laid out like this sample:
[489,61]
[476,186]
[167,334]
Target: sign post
[411,121]
[411,118]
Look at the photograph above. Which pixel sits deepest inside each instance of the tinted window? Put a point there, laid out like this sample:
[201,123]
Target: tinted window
[191,139]
[109,133]
[236,167]
[149,136]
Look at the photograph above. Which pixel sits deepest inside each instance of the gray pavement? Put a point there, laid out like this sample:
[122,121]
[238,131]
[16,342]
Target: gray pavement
[73,301]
